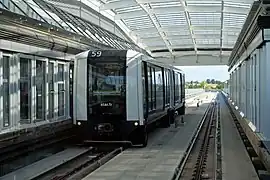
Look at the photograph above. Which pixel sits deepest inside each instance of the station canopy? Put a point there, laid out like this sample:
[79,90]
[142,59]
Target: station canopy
[180,32]
[185,32]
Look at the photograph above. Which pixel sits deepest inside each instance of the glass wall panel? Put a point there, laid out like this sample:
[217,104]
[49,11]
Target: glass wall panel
[6,91]
[51,90]
[25,90]
[61,90]
[40,89]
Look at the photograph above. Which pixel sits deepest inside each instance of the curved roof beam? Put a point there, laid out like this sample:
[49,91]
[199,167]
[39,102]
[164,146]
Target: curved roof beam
[187,16]
[148,9]
[221,28]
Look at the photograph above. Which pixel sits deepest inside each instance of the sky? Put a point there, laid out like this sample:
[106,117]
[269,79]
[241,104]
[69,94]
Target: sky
[200,73]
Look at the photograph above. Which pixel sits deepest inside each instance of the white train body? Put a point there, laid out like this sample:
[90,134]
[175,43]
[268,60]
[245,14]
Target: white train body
[114,100]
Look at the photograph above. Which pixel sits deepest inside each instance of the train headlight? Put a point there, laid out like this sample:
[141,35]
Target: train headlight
[136,123]
[79,123]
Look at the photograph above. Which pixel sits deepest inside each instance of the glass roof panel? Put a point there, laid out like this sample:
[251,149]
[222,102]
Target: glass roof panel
[203,3]
[181,42]
[208,41]
[166,4]
[196,22]
[47,12]
[128,9]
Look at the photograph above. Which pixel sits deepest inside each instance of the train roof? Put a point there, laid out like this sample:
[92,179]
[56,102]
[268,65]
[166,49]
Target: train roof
[166,65]
[129,54]
[109,52]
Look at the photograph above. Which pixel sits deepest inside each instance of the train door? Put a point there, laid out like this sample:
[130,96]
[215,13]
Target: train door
[181,87]
[71,77]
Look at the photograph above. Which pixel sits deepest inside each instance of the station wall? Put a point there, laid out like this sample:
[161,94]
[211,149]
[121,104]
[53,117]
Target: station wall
[249,89]
[33,90]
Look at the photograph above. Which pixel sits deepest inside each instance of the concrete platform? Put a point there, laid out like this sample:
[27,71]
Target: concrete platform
[45,164]
[33,131]
[236,164]
[160,158]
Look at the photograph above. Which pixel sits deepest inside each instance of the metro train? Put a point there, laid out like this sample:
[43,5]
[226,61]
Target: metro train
[117,94]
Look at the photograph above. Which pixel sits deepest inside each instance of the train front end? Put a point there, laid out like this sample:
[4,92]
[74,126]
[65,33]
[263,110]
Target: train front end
[106,117]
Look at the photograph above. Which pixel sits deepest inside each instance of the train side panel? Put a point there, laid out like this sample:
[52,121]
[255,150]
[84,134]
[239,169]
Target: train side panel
[141,91]
[80,90]
[132,95]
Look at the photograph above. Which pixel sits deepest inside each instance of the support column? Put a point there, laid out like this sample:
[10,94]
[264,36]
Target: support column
[1,92]
[46,89]
[244,89]
[16,100]
[55,78]
[33,90]
[256,89]
[240,83]
[236,87]
[67,95]
[248,115]
[253,91]
[262,87]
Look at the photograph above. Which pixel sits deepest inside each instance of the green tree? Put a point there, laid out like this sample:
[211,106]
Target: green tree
[203,84]
[220,86]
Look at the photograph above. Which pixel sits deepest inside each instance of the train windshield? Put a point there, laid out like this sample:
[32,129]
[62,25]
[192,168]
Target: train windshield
[107,86]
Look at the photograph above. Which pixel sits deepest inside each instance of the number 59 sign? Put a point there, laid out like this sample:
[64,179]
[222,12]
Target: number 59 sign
[95,53]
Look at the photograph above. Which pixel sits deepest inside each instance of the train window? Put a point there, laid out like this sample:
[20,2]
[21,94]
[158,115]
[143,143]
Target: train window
[107,87]
[51,90]
[182,86]
[173,86]
[159,88]
[144,89]
[178,88]
[150,102]
[25,90]
[165,86]
[153,87]
[40,90]
[168,86]
[6,90]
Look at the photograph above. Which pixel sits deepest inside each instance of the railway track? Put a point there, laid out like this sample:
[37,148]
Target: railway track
[80,166]
[200,160]
[203,158]
[21,154]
